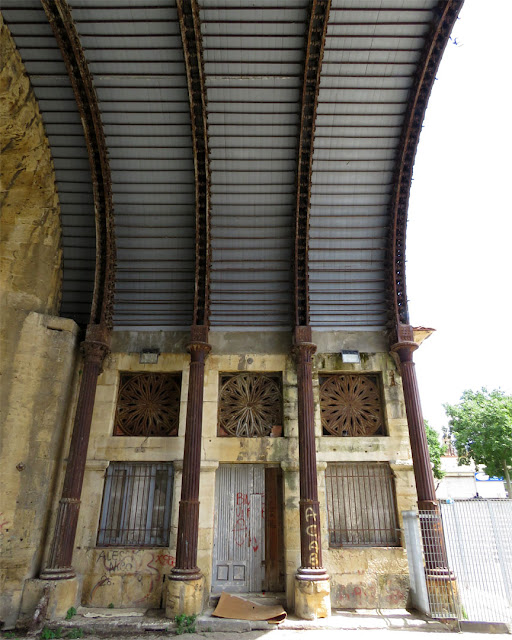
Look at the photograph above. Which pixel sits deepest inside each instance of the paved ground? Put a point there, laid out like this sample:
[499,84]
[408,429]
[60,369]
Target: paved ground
[342,625]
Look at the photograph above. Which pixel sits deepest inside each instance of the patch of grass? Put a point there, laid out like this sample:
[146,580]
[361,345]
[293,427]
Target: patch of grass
[71,612]
[110,606]
[75,633]
[185,624]
[51,634]
[10,635]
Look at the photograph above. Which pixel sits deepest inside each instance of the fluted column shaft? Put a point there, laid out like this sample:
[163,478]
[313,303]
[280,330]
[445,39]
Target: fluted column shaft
[310,531]
[61,553]
[433,539]
[188,523]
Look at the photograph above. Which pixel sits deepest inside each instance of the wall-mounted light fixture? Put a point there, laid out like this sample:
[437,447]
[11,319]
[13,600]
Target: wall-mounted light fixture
[149,356]
[350,357]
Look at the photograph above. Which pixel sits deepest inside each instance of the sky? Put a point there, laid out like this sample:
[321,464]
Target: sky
[459,234]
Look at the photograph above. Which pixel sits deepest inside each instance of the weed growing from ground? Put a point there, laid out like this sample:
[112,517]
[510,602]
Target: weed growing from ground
[51,634]
[185,624]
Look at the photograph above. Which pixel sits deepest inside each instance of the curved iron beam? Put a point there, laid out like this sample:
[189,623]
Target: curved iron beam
[318,18]
[445,15]
[64,29]
[190,27]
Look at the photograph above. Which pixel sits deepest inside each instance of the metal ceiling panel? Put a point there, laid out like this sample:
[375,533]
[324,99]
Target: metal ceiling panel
[138,68]
[370,57]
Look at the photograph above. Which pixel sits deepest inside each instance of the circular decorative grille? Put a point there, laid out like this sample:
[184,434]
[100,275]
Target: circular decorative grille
[250,405]
[148,405]
[350,406]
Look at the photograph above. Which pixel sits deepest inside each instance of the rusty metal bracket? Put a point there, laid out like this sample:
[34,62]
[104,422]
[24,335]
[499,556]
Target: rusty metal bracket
[317,29]
[445,15]
[66,34]
[190,27]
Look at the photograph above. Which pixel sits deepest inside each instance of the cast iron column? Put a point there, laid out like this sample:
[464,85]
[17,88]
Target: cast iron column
[94,348]
[188,523]
[433,539]
[310,531]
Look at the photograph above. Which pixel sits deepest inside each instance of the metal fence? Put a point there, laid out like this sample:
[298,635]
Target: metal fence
[443,597]
[478,535]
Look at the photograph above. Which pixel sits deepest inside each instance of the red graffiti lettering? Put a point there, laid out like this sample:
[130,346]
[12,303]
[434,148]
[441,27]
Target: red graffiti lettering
[165,560]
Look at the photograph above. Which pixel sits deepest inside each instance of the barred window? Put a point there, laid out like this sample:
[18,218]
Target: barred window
[136,505]
[250,405]
[350,405]
[148,404]
[361,505]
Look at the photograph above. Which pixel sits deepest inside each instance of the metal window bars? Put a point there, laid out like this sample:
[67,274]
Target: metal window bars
[361,505]
[136,505]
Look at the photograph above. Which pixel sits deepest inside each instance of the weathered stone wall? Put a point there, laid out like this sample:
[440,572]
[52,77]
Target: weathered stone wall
[362,577]
[31,257]
[36,348]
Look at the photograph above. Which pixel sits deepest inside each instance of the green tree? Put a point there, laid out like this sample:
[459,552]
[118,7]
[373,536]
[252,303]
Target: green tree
[435,450]
[481,424]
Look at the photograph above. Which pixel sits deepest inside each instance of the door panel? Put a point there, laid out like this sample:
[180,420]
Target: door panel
[274,531]
[239,546]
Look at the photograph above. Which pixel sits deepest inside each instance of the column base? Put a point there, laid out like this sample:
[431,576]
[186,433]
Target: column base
[312,598]
[48,600]
[61,573]
[184,597]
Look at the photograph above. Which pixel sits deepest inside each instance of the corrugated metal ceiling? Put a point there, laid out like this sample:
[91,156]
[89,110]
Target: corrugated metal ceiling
[253,61]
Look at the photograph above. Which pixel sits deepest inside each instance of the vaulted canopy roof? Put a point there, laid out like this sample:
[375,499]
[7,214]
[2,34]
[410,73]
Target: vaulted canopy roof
[257,156]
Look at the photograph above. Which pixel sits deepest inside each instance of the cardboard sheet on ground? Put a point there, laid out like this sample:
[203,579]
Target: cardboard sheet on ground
[239,609]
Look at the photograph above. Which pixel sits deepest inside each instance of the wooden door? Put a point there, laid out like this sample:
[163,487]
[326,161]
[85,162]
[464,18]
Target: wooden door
[239,545]
[274,534]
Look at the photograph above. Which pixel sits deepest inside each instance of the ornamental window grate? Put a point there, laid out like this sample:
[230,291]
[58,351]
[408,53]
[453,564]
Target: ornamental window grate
[350,405]
[361,505]
[250,405]
[148,404]
[136,504]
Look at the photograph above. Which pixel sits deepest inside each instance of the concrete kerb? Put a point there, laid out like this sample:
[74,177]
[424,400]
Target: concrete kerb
[137,621]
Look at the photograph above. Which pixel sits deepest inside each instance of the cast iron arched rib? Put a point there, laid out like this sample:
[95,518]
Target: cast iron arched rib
[319,16]
[64,29]
[444,18]
[190,26]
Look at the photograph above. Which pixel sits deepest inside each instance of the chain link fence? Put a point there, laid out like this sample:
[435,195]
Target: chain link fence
[461,564]
[478,535]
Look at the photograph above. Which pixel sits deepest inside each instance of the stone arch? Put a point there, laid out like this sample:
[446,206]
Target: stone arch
[37,348]
[30,237]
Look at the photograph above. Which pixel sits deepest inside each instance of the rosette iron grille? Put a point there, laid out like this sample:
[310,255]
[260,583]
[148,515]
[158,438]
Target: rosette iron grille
[250,405]
[148,405]
[351,405]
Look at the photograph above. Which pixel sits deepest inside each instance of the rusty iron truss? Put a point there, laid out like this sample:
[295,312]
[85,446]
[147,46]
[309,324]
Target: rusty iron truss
[68,40]
[318,19]
[435,44]
[190,27]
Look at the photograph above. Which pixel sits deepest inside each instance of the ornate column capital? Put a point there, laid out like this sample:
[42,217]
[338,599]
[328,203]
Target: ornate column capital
[198,346]
[96,345]
[405,345]
[303,346]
